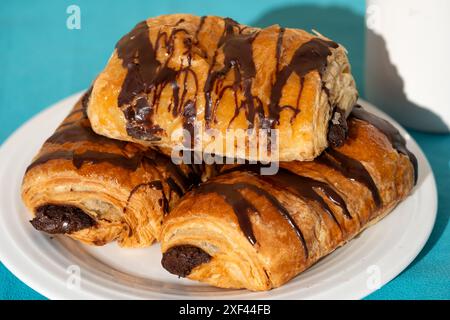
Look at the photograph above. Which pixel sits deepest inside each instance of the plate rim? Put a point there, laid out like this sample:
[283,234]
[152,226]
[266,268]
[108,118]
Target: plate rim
[52,292]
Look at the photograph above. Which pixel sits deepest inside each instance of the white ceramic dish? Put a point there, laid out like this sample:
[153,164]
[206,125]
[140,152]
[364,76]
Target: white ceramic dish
[51,265]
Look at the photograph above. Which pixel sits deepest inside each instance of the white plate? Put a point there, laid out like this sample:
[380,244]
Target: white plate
[50,265]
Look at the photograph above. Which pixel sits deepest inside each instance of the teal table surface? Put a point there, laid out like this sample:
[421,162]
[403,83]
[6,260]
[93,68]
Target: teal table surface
[42,61]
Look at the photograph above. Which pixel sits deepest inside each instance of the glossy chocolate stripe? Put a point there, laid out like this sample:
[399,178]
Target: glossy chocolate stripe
[352,169]
[310,56]
[140,77]
[301,186]
[79,132]
[278,48]
[241,206]
[282,210]
[199,28]
[148,75]
[179,22]
[305,187]
[228,31]
[238,55]
[394,136]
[115,159]
[94,157]
[174,187]
[57,155]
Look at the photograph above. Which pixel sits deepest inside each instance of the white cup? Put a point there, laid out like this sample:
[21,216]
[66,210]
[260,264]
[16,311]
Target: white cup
[408,61]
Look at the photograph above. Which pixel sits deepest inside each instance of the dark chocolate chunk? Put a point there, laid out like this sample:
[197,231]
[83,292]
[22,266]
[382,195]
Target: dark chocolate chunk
[57,219]
[338,129]
[180,260]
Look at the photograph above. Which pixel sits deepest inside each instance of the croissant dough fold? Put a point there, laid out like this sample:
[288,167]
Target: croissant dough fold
[180,71]
[97,190]
[244,230]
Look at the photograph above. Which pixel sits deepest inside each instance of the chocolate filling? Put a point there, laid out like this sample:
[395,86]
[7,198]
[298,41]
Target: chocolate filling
[338,129]
[57,219]
[180,260]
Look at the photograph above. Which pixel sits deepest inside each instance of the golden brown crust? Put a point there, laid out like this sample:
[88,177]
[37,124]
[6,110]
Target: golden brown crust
[288,215]
[214,73]
[123,187]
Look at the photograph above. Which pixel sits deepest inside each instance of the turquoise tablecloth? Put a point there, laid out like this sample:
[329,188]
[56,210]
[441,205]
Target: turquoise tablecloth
[42,62]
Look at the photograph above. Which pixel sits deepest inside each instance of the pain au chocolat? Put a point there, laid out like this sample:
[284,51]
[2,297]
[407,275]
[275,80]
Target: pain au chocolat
[97,190]
[244,230]
[180,71]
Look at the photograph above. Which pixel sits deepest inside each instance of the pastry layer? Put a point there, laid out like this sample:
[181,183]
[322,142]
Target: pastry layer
[97,190]
[260,231]
[208,74]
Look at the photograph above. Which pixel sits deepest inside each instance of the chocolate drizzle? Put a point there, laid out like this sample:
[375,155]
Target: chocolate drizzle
[238,56]
[310,56]
[77,131]
[350,168]
[394,136]
[147,77]
[94,157]
[89,156]
[307,188]
[200,26]
[243,208]
[139,58]
[302,187]
[282,210]
[278,49]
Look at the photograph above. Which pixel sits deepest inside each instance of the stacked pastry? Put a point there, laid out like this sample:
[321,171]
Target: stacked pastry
[97,189]
[105,173]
